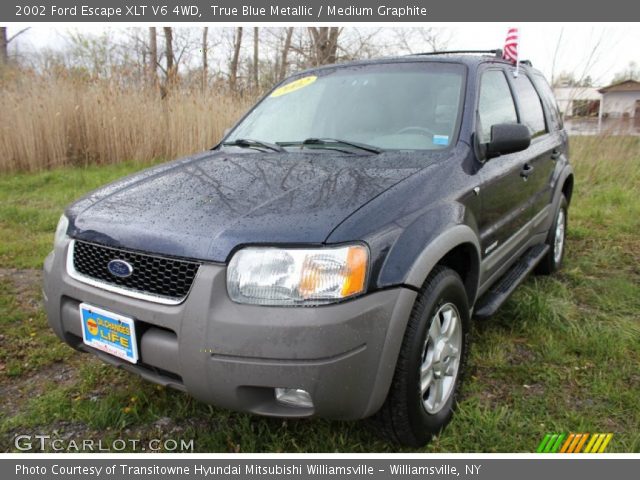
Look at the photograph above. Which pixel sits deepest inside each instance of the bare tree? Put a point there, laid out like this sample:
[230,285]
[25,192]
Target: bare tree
[152,65]
[324,44]
[631,72]
[4,46]
[359,43]
[285,53]
[414,40]
[96,54]
[564,79]
[5,40]
[205,59]
[256,61]
[168,51]
[233,70]
[436,38]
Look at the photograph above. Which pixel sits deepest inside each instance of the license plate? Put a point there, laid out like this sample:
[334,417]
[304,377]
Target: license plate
[109,332]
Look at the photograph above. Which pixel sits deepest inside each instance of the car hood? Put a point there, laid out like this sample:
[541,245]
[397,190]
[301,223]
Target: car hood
[204,206]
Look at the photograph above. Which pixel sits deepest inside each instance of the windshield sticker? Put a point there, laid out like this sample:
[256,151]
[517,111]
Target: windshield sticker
[441,139]
[293,86]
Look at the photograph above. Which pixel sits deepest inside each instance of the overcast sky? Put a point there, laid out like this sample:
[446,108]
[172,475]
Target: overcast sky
[617,44]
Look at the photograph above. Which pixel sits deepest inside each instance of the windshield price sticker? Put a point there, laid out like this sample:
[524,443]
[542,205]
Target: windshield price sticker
[293,86]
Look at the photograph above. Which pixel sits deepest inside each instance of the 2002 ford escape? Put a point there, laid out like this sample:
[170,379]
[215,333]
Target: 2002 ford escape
[327,256]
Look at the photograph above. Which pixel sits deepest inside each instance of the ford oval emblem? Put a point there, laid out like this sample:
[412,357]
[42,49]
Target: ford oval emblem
[120,268]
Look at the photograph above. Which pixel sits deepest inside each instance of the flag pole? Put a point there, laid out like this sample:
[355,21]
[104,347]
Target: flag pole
[515,74]
[511,50]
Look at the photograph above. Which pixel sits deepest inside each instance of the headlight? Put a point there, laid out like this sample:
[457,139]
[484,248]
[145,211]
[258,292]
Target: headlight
[296,276]
[61,230]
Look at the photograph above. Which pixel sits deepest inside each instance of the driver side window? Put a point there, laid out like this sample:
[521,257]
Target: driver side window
[495,104]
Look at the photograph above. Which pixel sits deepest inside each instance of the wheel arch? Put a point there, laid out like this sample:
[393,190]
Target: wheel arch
[567,187]
[457,248]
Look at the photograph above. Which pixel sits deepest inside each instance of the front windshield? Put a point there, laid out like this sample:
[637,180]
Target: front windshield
[388,106]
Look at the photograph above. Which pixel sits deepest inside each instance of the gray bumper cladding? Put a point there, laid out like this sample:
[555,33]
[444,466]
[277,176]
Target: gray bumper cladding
[234,355]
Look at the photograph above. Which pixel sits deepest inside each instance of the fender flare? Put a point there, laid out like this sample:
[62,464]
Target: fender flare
[437,249]
[566,172]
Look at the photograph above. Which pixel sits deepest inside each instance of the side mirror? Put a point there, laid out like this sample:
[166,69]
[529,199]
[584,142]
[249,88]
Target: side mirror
[507,138]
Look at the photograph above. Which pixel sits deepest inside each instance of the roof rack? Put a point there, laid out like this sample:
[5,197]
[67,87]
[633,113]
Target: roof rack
[497,52]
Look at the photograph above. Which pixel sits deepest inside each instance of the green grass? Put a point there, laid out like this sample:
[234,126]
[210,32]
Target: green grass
[563,355]
[31,204]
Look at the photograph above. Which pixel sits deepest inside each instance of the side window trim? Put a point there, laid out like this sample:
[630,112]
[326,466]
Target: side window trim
[545,108]
[481,73]
[549,102]
[511,81]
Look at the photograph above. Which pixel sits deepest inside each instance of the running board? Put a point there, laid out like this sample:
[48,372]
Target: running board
[500,291]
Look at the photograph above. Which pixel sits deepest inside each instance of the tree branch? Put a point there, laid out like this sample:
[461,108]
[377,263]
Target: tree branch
[14,36]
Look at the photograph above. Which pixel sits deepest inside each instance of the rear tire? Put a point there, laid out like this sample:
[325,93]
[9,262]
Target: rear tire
[557,241]
[428,375]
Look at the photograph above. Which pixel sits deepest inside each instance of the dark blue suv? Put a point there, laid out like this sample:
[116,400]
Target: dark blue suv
[327,257]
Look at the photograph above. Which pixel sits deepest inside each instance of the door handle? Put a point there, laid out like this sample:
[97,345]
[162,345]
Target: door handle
[555,154]
[526,171]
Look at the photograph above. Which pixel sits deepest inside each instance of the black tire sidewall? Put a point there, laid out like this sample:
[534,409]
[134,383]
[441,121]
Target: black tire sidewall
[449,289]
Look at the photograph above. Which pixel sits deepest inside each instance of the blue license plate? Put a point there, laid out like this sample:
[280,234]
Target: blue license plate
[109,332]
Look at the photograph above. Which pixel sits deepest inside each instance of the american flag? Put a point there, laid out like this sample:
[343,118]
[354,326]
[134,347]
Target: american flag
[511,46]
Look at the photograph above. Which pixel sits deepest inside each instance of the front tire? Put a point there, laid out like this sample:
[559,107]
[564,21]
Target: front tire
[428,375]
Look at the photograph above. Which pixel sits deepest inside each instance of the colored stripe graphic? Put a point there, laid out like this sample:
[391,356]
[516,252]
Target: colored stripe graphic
[551,443]
[605,442]
[567,443]
[598,443]
[594,437]
[556,446]
[543,443]
[581,443]
[574,443]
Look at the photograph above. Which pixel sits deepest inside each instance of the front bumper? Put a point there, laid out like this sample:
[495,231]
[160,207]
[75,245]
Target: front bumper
[234,355]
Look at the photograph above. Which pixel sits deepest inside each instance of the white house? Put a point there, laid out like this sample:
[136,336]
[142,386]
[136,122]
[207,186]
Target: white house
[578,101]
[621,100]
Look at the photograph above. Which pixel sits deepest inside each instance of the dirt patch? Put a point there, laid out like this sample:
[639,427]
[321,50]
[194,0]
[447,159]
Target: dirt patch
[521,353]
[26,285]
[19,391]
[495,391]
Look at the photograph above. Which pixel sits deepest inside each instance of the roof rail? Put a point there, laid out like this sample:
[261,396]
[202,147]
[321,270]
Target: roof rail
[497,52]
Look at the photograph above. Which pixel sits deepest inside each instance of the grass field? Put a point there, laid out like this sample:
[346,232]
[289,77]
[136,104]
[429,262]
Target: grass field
[562,355]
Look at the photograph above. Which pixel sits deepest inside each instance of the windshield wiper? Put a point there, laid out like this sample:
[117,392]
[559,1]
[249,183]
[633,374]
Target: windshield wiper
[250,143]
[337,142]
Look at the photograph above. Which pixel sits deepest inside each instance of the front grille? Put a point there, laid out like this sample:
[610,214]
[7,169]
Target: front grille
[152,275]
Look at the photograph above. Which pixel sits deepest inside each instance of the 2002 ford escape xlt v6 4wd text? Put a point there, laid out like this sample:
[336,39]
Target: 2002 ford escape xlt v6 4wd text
[327,256]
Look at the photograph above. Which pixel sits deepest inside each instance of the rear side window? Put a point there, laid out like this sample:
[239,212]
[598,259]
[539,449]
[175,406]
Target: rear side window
[496,103]
[555,119]
[531,111]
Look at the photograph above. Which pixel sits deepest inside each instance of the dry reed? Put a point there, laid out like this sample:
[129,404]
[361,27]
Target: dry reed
[50,123]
